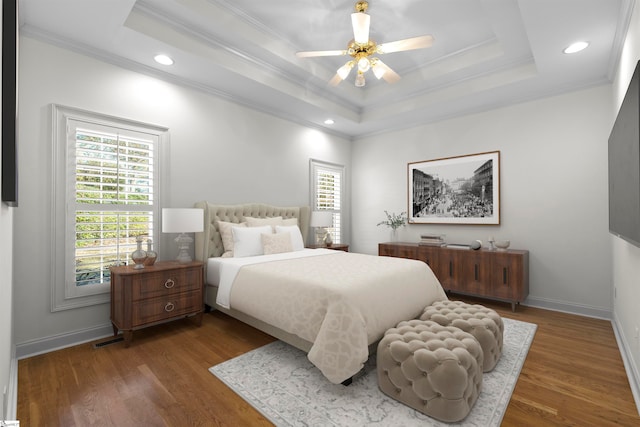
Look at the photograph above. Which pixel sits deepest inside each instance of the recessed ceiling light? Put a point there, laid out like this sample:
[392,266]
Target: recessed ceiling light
[576,47]
[163,59]
[329,122]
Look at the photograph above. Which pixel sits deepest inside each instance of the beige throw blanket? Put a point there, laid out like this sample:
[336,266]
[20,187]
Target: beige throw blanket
[341,302]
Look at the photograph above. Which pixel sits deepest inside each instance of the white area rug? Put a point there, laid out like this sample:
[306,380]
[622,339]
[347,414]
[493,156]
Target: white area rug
[280,382]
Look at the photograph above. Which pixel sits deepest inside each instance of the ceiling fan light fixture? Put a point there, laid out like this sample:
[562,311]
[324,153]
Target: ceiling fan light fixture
[364,65]
[360,82]
[360,22]
[378,70]
[344,71]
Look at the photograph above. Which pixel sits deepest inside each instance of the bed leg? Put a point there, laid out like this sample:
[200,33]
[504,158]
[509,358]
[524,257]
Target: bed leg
[207,308]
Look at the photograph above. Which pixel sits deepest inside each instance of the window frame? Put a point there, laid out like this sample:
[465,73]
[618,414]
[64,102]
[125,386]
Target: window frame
[64,292]
[314,167]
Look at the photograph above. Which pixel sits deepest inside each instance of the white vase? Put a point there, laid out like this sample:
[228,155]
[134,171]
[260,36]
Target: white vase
[394,234]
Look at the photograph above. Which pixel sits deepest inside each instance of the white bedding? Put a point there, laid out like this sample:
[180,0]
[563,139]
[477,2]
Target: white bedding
[221,272]
[341,302]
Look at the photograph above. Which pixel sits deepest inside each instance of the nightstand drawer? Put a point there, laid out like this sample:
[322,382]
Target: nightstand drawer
[163,283]
[156,309]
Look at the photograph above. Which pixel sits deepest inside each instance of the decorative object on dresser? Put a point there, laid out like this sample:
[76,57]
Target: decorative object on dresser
[139,256]
[394,222]
[499,275]
[183,220]
[152,255]
[165,291]
[502,245]
[432,240]
[322,220]
[455,190]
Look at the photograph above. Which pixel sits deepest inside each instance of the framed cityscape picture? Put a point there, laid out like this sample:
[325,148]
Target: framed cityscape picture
[455,190]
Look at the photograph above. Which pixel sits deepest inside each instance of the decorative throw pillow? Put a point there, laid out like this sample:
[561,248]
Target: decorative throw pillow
[227,238]
[276,243]
[290,221]
[297,243]
[259,222]
[247,240]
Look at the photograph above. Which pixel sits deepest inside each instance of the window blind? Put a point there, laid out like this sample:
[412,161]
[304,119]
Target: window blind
[113,198]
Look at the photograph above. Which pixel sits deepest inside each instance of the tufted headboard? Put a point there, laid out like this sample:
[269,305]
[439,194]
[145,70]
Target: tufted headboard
[209,243]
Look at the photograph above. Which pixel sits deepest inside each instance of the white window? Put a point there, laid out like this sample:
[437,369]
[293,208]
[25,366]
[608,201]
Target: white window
[106,175]
[327,192]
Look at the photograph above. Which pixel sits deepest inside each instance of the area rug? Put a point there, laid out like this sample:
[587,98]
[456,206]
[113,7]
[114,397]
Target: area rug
[280,382]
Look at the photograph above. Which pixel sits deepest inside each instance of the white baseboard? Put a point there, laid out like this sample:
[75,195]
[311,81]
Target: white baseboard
[568,307]
[56,342]
[632,370]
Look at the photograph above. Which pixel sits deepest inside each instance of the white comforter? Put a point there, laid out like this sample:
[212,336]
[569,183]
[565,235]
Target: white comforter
[342,302]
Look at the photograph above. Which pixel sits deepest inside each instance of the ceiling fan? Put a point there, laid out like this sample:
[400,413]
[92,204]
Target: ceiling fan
[362,49]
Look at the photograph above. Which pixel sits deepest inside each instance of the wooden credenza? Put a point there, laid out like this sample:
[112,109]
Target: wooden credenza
[500,275]
[166,290]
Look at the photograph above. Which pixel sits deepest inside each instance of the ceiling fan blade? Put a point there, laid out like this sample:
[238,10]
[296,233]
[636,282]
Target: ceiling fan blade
[385,72]
[419,42]
[313,53]
[335,81]
[360,22]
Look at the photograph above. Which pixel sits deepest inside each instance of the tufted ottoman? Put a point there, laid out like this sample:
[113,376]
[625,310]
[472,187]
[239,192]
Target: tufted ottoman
[483,323]
[434,369]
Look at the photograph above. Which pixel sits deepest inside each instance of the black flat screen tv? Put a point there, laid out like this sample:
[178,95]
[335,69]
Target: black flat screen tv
[9,102]
[624,166]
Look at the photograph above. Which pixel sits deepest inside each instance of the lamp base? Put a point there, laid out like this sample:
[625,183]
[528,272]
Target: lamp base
[183,242]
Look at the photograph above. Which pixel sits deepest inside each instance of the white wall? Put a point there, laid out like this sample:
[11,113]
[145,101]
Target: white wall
[626,257]
[8,370]
[219,151]
[553,190]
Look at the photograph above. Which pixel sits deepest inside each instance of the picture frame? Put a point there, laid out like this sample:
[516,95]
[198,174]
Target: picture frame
[455,190]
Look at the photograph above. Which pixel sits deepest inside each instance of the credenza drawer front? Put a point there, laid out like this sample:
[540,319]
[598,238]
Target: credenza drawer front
[165,283]
[156,309]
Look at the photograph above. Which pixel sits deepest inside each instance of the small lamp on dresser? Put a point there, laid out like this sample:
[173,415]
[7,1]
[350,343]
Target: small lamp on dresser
[183,220]
[322,220]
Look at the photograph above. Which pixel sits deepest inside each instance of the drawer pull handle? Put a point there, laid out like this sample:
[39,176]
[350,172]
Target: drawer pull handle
[169,307]
[170,283]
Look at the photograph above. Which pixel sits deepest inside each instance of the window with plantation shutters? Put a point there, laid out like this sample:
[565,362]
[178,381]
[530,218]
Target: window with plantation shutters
[327,191]
[111,179]
[114,197]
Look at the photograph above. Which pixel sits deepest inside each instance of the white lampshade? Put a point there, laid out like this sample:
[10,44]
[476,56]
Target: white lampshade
[321,219]
[183,221]
[179,220]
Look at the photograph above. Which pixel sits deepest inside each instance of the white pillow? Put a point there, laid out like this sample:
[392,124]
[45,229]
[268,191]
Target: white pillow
[227,238]
[297,243]
[248,241]
[276,243]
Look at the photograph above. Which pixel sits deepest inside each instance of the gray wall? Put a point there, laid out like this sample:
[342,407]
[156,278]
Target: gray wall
[219,151]
[553,190]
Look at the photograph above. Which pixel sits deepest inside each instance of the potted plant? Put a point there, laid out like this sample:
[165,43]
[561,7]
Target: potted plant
[394,222]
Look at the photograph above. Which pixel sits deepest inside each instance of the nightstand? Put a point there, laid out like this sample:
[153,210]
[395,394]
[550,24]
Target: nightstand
[167,290]
[335,246]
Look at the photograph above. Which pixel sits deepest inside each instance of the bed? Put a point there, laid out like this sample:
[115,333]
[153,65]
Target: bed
[331,304]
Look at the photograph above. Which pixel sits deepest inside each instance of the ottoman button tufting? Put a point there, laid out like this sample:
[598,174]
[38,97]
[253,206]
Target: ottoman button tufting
[451,371]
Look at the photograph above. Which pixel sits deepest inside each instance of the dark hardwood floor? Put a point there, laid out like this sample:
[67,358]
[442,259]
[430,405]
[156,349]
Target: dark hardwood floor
[573,376]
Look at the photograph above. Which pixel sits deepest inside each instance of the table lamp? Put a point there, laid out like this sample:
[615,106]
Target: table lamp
[322,219]
[182,220]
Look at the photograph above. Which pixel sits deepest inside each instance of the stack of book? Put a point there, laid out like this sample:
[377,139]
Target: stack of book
[432,240]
